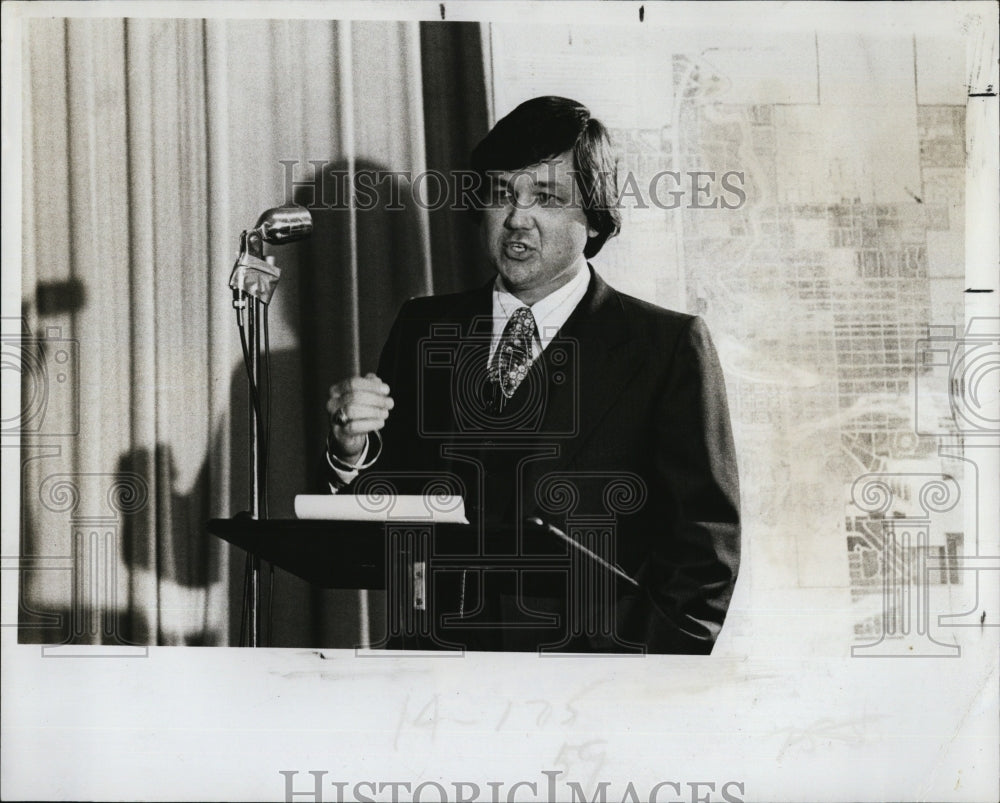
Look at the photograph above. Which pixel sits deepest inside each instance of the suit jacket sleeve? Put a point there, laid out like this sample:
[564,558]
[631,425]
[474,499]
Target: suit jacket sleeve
[687,580]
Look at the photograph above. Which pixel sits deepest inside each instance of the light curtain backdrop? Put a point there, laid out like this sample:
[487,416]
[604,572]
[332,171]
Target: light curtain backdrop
[148,146]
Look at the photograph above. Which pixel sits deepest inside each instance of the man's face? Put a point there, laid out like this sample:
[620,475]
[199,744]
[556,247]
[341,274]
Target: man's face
[535,228]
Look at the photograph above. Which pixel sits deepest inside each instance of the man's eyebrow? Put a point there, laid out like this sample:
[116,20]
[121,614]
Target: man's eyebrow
[562,185]
[559,185]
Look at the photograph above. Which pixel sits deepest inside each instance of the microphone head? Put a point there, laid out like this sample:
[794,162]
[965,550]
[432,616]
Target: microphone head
[284,224]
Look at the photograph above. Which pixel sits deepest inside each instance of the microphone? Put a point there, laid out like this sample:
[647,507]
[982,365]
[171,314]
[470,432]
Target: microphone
[252,274]
[284,224]
[572,542]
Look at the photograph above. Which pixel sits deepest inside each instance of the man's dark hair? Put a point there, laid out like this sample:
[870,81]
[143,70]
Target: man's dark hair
[544,127]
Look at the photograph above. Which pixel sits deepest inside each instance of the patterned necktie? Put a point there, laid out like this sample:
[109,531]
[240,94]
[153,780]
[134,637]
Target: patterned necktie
[513,355]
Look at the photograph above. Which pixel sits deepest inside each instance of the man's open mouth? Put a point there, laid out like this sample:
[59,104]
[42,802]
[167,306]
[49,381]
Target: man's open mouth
[516,250]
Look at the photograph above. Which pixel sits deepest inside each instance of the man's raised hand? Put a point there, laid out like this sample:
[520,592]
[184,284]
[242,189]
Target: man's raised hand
[357,406]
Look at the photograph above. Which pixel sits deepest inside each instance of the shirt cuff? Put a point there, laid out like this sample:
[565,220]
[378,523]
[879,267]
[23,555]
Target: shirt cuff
[344,476]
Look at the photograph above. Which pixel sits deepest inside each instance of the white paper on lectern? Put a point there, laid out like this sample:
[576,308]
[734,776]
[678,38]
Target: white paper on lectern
[441,509]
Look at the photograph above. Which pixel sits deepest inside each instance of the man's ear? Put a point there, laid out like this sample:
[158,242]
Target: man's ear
[591,231]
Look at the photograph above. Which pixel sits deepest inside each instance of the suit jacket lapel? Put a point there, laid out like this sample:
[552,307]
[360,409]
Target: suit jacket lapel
[471,319]
[603,355]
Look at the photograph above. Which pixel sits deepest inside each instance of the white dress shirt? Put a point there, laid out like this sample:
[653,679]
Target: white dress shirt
[550,313]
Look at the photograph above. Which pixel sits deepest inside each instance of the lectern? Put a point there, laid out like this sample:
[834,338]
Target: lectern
[409,559]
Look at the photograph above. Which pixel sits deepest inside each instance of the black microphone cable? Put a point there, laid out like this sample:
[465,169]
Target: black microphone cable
[262,434]
[254,394]
[264,460]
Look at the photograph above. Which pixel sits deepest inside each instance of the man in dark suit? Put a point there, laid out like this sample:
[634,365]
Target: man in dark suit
[549,395]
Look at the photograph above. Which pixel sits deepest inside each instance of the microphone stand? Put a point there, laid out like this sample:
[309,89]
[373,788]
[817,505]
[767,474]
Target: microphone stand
[255,311]
[253,282]
[251,312]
